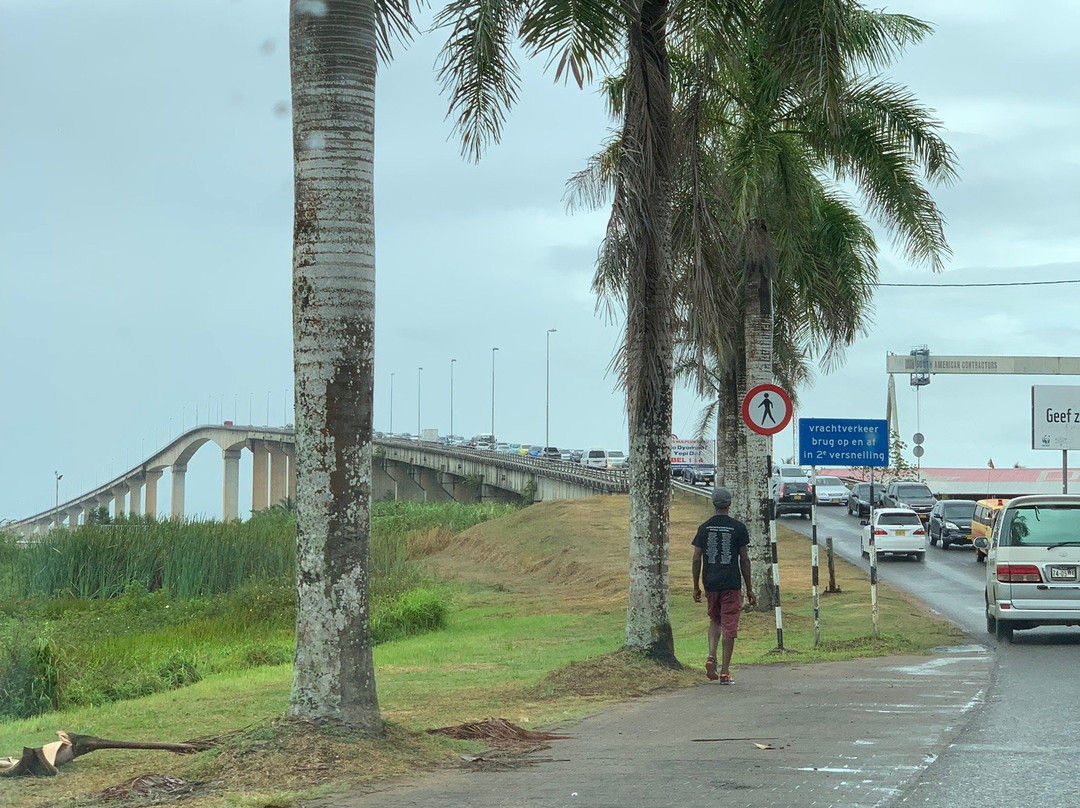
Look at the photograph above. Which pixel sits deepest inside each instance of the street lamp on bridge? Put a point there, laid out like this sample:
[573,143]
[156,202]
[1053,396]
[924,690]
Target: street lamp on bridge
[493,350]
[56,513]
[452,363]
[547,391]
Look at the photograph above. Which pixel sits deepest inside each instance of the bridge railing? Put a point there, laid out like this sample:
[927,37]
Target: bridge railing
[612,481]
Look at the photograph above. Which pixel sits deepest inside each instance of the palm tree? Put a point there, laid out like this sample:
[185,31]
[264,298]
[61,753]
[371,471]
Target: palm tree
[786,250]
[479,71]
[334,46]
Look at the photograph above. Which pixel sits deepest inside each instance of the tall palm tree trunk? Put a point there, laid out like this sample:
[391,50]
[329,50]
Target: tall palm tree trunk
[649,332]
[333,58]
[758,329]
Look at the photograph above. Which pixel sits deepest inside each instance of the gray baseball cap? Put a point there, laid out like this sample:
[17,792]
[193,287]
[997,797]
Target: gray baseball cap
[721,497]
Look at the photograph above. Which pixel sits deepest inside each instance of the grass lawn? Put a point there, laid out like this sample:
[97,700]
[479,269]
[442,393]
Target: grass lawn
[538,614]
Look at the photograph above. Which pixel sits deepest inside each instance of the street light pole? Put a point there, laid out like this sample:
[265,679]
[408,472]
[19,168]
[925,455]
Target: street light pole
[493,350]
[391,404]
[452,363]
[547,391]
[419,372]
[56,513]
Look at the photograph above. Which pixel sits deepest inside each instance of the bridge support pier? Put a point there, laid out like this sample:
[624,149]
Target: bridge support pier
[230,487]
[73,517]
[260,465]
[150,497]
[431,481]
[492,493]
[135,498]
[405,486]
[279,474]
[383,486]
[119,501]
[179,477]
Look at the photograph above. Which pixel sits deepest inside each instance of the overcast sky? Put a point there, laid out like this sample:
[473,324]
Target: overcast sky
[145,244]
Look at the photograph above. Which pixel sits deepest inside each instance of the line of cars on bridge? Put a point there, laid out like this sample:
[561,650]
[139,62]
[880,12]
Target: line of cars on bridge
[593,457]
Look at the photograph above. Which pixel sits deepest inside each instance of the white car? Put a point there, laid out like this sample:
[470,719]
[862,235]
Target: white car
[617,459]
[897,531]
[831,491]
[595,458]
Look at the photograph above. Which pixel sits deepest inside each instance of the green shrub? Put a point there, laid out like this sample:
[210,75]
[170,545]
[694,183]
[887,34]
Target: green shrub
[28,672]
[413,612]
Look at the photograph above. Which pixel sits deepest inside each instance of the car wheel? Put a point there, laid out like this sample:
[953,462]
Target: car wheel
[920,556]
[945,545]
[991,622]
[980,558]
[933,541]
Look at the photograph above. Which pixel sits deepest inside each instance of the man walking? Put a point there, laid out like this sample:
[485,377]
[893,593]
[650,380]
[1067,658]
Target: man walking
[724,544]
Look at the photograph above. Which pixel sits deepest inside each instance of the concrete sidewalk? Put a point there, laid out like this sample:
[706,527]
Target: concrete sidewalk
[843,734]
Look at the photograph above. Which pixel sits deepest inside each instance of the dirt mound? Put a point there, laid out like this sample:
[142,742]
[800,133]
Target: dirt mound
[498,732]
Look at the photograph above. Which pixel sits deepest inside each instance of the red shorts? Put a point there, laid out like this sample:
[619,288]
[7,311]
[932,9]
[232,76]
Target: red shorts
[724,608]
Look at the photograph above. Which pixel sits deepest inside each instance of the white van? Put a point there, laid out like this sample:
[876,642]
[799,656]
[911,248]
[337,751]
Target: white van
[594,458]
[1033,564]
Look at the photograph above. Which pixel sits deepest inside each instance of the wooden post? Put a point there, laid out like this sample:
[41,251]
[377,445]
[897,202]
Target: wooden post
[833,588]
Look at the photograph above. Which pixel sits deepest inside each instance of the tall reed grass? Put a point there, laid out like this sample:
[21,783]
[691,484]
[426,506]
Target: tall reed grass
[108,612]
[187,559]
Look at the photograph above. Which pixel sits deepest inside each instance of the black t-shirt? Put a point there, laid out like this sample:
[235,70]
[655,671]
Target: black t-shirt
[720,540]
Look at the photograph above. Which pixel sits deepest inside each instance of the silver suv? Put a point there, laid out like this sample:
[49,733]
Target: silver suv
[1033,565]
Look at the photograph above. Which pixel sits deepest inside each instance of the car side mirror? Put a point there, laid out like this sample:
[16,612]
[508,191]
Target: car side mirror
[982,543]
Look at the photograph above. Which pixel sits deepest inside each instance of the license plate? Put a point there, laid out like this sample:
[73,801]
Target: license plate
[797,496]
[901,533]
[1063,573]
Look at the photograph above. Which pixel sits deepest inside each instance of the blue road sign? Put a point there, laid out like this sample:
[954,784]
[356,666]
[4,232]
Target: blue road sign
[843,442]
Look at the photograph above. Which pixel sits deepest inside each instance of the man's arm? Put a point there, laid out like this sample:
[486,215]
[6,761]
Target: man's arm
[744,565]
[696,569]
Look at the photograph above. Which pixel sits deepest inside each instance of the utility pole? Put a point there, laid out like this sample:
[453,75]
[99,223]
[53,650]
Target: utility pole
[493,350]
[56,513]
[547,391]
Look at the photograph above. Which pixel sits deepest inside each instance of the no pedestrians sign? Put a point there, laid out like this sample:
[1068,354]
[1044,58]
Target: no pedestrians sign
[766,409]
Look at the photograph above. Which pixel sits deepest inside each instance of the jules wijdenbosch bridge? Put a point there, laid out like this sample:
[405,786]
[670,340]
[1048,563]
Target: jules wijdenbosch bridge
[401,469]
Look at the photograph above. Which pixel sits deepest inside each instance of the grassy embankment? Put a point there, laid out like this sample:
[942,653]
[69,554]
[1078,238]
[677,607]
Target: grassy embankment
[537,608]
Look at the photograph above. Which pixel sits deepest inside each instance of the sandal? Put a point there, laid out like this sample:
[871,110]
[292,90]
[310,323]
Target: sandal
[725,679]
[710,669]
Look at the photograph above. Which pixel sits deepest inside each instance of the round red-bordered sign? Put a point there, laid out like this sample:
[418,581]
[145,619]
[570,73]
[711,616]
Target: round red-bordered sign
[766,409]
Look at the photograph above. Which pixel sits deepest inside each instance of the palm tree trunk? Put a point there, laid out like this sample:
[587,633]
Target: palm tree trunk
[333,57]
[758,328]
[649,327]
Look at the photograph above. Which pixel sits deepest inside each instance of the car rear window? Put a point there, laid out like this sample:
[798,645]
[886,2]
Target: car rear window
[831,481]
[898,519]
[1040,525]
[958,508]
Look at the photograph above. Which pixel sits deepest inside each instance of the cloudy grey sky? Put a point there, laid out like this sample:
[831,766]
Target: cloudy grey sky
[145,244]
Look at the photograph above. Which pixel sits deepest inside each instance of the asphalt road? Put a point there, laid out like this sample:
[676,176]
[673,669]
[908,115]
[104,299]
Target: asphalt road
[1021,746]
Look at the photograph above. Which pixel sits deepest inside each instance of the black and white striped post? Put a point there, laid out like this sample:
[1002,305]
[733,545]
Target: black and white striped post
[873,559]
[814,554]
[775,560]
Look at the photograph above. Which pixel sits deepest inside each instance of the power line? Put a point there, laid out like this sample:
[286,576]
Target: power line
[977,285]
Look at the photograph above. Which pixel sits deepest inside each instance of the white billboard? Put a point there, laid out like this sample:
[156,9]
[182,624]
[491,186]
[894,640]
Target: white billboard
[692,452]
[1055,417]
